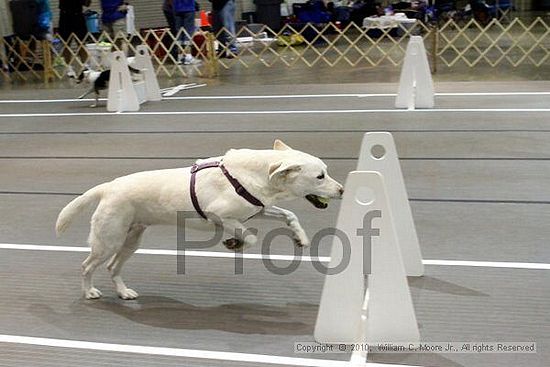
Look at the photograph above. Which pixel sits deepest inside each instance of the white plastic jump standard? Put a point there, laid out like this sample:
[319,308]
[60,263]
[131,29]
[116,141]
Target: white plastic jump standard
[415,85]
[378,153]
[122,94]
[384,311]
[126,95]
[143,62]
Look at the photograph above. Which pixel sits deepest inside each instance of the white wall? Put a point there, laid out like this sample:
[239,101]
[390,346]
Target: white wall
[5,19]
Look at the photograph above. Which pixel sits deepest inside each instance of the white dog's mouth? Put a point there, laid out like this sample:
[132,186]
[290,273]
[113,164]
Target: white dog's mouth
[318,201]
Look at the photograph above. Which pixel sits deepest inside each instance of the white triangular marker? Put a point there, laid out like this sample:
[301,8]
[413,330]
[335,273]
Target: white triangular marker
[339,317]
[378,153]
[389,310]
[415,85]
[143,62]
[122,96]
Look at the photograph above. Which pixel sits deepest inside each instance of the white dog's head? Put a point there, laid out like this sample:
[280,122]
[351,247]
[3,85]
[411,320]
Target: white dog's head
[303,175]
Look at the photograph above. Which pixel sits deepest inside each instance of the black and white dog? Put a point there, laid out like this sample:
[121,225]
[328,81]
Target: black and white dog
[99,81]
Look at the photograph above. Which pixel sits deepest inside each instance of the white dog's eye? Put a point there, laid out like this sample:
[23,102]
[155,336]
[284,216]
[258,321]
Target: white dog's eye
[321,176]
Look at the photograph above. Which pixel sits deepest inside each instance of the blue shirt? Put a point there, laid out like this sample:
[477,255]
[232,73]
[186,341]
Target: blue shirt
[183,6]
[110,12]
[44,15]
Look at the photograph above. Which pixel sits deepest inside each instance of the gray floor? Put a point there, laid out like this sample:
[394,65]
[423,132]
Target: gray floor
[478,183]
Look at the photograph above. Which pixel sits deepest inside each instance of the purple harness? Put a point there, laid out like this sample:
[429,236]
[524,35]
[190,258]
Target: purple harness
[239,189]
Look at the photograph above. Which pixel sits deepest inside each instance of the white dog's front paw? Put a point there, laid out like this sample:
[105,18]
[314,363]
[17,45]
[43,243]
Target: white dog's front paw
[234,244]
[127,293]
[301,239]
[92,293]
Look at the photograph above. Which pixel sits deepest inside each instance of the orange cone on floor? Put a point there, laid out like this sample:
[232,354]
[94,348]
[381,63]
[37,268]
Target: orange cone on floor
[204,19]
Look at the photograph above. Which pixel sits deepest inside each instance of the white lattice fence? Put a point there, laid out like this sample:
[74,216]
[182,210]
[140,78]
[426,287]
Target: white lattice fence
[498,43]
[514,43]
[313,45]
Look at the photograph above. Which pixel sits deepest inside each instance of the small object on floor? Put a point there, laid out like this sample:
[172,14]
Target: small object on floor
[168,92]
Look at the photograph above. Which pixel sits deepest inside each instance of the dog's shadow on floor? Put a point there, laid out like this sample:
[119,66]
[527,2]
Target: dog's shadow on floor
[88,105]
[441,286]
[244,318]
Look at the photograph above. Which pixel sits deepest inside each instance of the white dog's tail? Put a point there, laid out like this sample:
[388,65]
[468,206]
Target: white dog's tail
[77,205]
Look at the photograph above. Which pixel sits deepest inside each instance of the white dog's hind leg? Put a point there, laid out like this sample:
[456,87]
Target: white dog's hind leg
[89,265]
[117,261]
[244,237]
[300,236]
[107,235]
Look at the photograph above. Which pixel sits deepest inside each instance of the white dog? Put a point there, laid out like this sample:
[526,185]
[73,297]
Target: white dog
[226,191]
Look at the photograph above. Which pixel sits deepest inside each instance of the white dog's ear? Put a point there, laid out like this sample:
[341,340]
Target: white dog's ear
[279,145]
[283,170]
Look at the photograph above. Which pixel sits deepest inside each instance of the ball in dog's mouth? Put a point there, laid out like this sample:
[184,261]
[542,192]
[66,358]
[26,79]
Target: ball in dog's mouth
[318,201]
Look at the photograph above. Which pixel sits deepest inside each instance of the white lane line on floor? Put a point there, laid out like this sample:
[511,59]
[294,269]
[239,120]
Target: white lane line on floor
[281,96]
[230,255]
[289,96]
[271,112]
[184,353]
[489,264]
[172,352]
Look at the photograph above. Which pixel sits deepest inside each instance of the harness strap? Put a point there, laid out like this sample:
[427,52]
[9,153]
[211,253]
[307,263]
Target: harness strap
[192,191]
[239,189]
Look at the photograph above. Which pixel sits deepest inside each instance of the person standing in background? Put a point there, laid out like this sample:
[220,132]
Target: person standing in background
[32,21]
[223,14]
[168,10]
[44,26]
[184,14]
[113,19]
[72,21]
